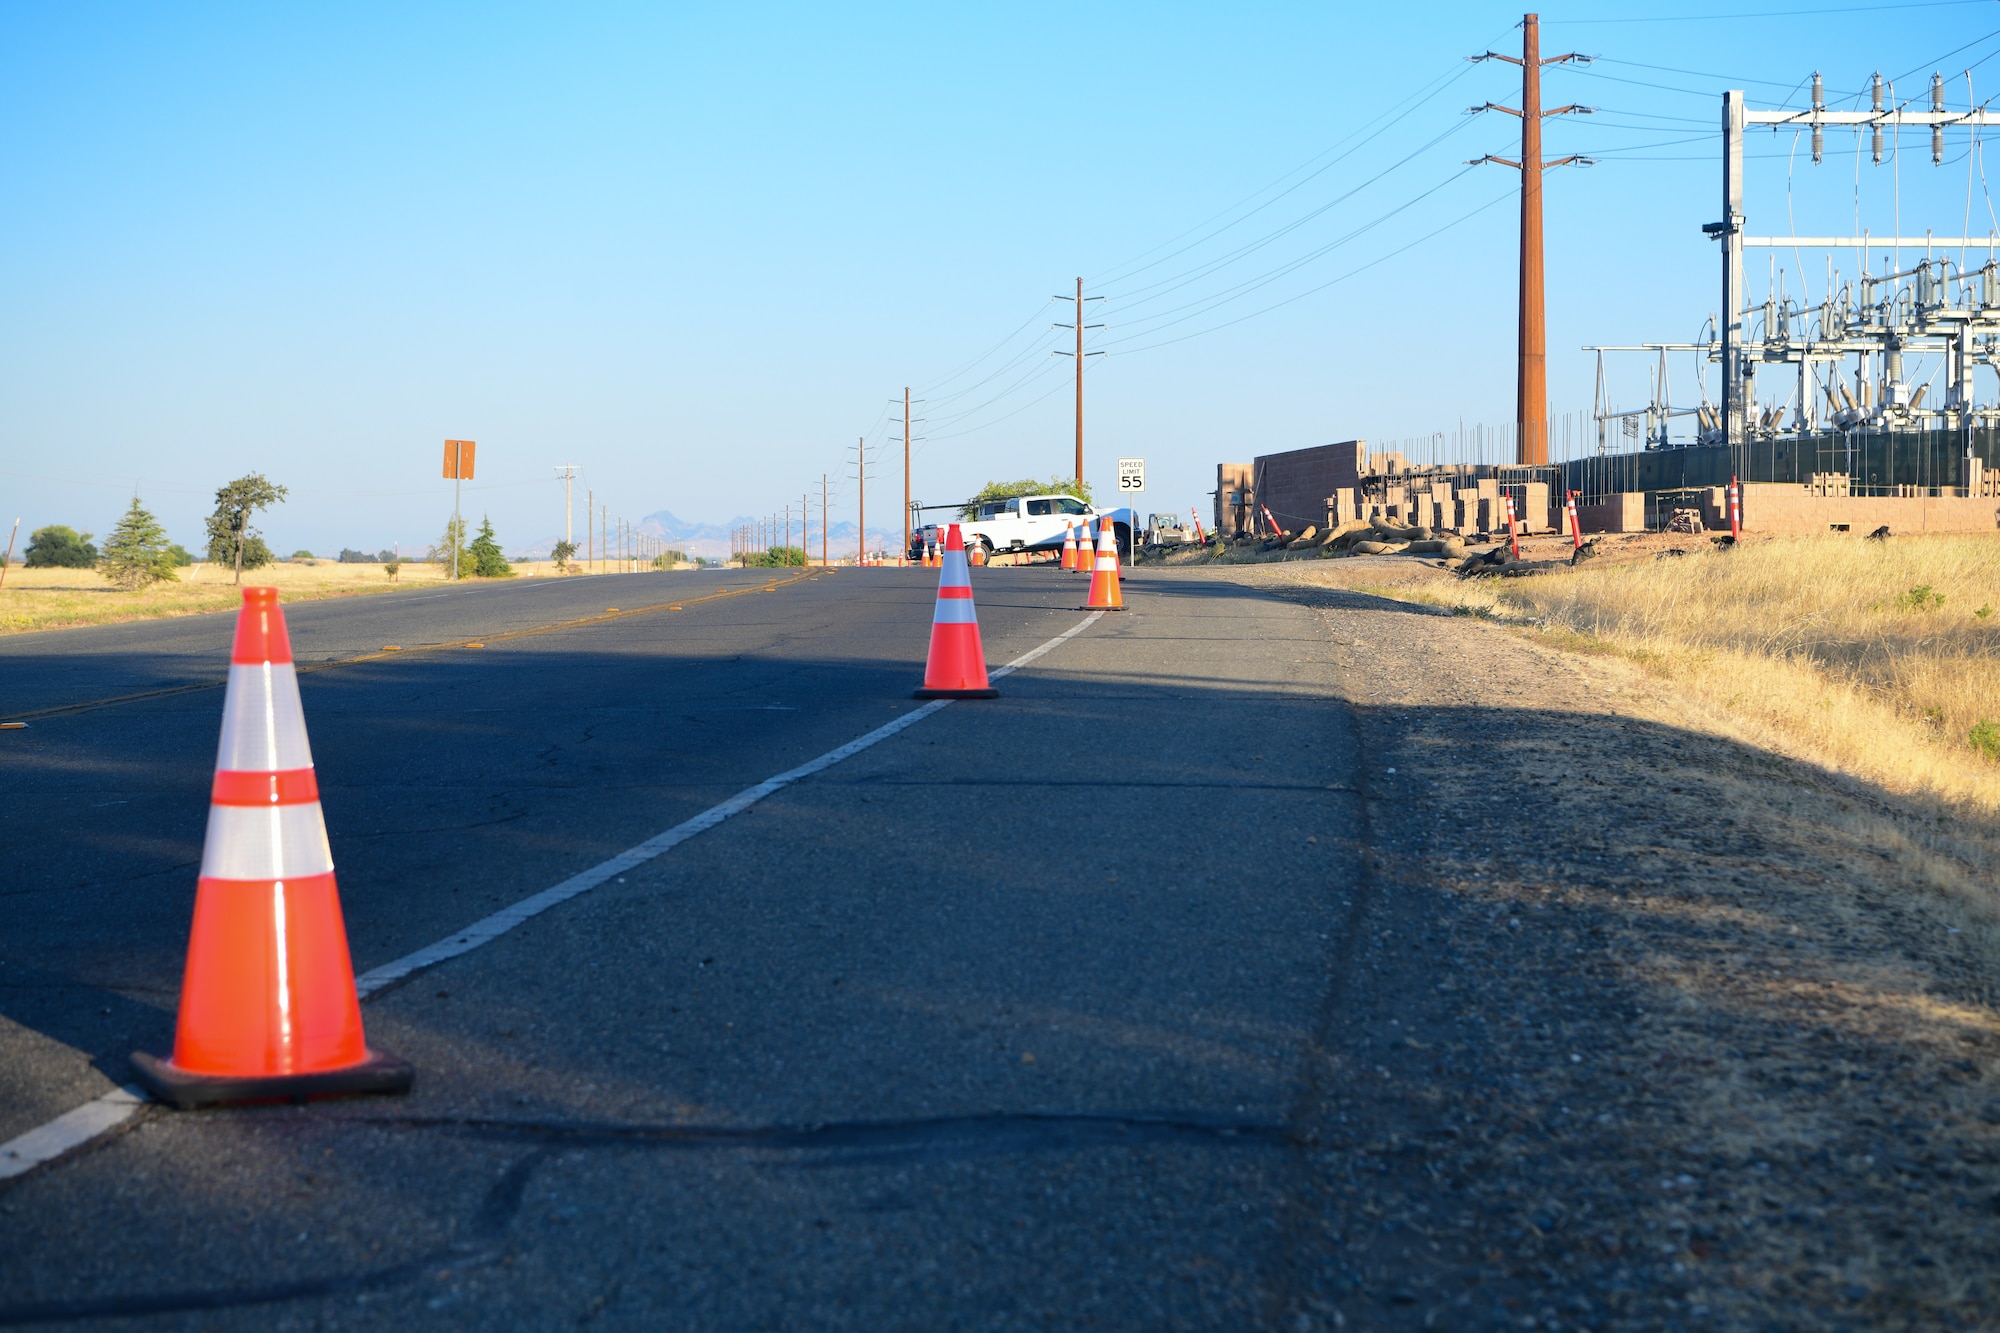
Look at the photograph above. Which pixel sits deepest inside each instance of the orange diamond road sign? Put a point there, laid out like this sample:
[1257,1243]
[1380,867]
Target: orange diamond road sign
[458,459]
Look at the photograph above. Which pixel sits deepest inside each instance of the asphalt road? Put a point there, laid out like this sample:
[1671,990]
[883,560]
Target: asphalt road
[1003,1022]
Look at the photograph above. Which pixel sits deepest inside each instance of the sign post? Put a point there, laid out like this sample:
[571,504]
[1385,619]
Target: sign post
[458,456]
[1131,484]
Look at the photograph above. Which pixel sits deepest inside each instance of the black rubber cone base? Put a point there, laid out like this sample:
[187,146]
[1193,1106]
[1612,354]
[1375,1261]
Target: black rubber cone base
[988,693]
[377,1074]
[1100,608]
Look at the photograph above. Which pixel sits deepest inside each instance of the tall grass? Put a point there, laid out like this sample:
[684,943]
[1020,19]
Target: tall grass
[35,599]
[1881,658]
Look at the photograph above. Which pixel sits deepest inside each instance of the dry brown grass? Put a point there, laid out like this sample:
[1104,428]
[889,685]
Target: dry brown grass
[1878,659]
[36,599]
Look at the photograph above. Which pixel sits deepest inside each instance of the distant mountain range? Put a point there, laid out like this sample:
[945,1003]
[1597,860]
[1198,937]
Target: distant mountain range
[713,539]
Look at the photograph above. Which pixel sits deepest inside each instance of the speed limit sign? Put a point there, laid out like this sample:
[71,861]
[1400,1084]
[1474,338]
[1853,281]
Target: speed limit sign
[1131,475]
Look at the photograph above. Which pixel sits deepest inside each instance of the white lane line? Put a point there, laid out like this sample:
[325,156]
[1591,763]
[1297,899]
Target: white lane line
[488,929]
[71,1129]
[74,1128]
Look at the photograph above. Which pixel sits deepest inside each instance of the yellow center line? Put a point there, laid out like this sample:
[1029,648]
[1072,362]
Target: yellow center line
[306,668]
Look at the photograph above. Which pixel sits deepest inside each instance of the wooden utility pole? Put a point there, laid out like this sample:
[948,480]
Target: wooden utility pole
[861,501]
[1079,381]
[1531,389]
[906,470]
[1080,326]
[8,559]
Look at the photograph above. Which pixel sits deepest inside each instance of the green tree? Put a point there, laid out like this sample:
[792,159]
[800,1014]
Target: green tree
[231,539]
[563,553]
[180,555]
[776,557]
[453,540]
[487,561]
[1007,490]
[669,558]
[59,547]
[137,553]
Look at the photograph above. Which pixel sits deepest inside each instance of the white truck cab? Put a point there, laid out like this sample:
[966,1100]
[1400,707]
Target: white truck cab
[1035,523]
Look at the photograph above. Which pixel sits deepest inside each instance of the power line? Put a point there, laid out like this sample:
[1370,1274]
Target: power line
[1165,285]
[1216,300]
[1462,218]
[1365,137]
[1767,13]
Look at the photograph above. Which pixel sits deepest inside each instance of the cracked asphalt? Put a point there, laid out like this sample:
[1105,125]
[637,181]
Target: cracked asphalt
[1256,961]
[995,1024]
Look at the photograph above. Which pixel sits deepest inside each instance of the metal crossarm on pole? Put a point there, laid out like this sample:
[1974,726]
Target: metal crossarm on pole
[1531,377]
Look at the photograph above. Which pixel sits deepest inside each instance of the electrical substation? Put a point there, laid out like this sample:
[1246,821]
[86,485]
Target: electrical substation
[1845,408]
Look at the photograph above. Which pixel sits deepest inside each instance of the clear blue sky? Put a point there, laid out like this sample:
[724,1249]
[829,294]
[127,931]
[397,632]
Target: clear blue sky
[697,251]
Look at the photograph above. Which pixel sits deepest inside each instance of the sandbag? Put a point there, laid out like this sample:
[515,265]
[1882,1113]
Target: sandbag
[1347,529]
[1378,548]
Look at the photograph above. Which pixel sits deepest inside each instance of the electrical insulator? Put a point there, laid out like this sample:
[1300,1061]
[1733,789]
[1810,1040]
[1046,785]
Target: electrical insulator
[1990,289]
[1819,93]
[1876,91]
[1937,144]
[1819,144]
[1875,144]
[1937,92]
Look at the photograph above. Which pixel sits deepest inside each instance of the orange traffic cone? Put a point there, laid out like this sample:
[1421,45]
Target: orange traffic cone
[957,665]
[1069,546]
[1105,594]
[268,1007]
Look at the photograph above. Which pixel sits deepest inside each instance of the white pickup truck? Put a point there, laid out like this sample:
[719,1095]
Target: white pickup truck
[1036,522]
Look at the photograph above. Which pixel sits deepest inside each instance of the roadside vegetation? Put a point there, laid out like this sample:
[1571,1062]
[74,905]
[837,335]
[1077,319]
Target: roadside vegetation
[36,599]
[64,579]
[59,546]
[1007,490]
[777,557]
[137,554]
[1878,658]
[231,539]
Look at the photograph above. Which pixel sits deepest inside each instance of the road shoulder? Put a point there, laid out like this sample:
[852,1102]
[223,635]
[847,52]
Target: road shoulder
[1652,1024]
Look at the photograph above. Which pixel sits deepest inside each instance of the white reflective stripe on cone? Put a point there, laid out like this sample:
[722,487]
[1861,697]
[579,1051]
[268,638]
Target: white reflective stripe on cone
[263,723]
[954,611]
[265,842]
[955,575]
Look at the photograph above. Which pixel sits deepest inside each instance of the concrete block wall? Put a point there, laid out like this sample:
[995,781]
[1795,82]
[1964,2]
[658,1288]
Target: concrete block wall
[1622,512]
[1294,485]
[1785,508]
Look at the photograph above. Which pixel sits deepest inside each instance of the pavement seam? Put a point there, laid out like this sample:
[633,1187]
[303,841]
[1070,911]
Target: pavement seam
[80,1125]
[308,668]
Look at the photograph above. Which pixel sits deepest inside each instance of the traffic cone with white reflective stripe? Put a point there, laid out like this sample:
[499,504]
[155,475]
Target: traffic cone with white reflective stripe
[1069,546]
[268,1007]
[1105,594]
[957,665]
